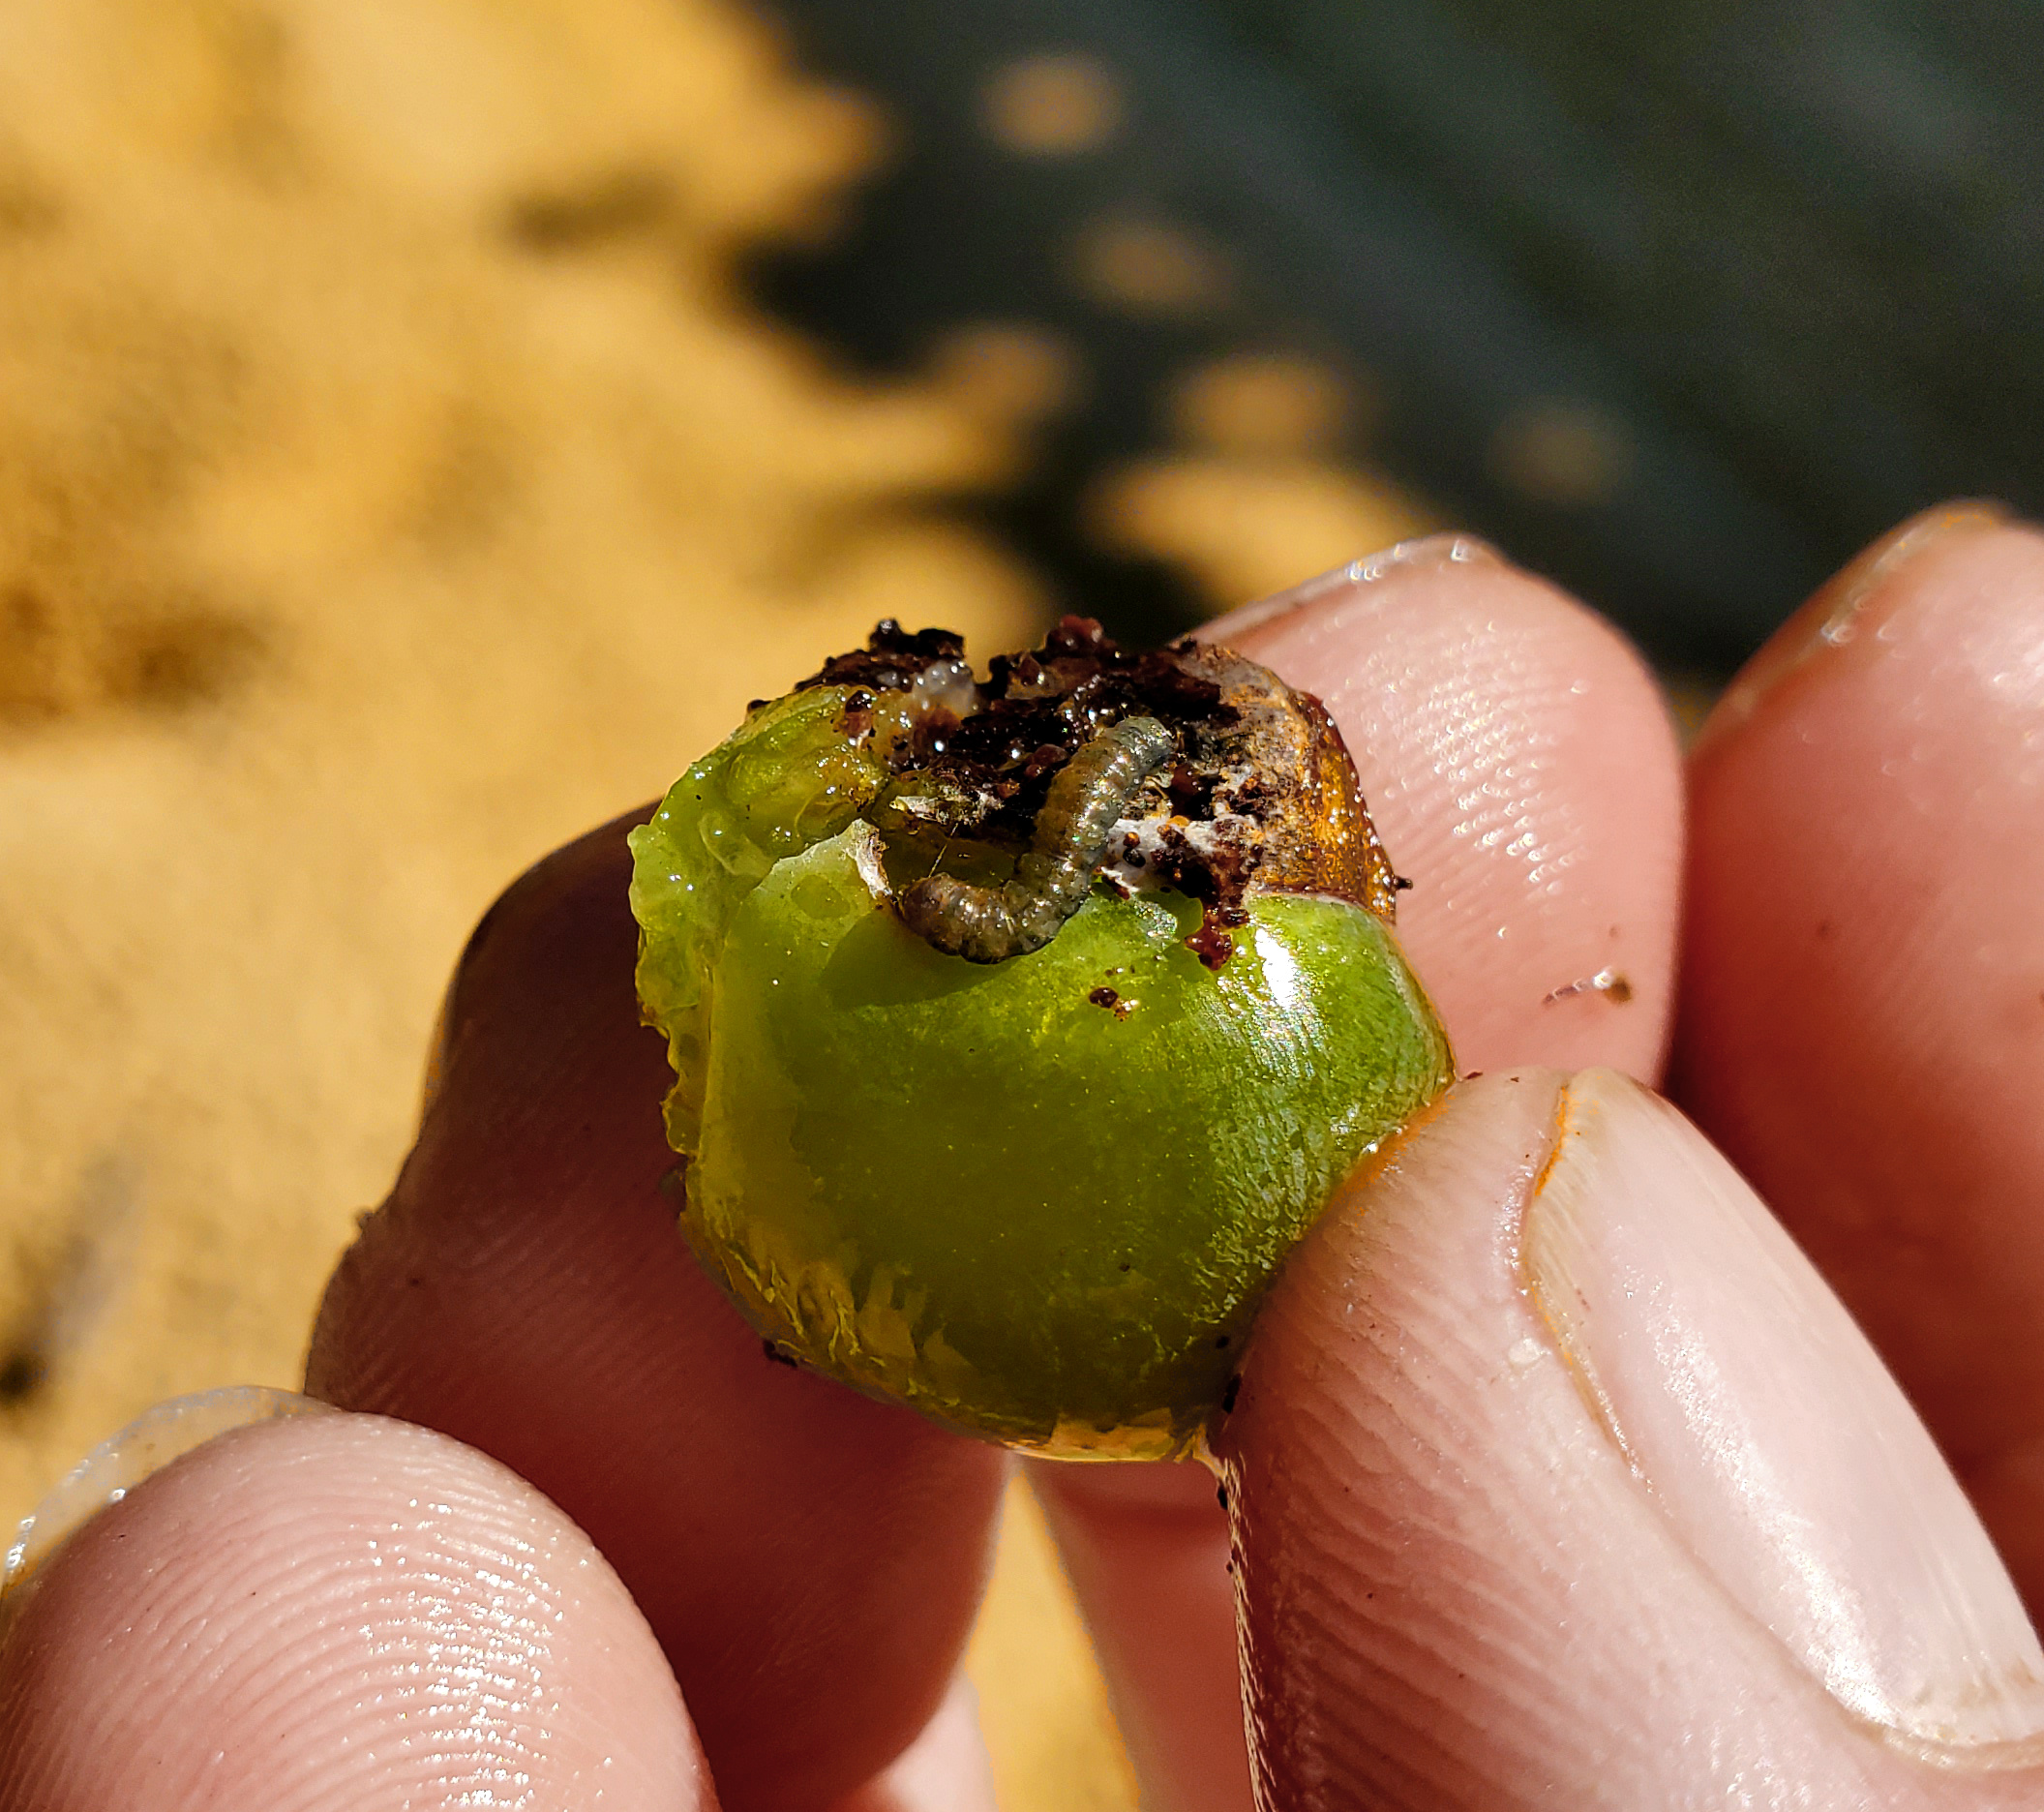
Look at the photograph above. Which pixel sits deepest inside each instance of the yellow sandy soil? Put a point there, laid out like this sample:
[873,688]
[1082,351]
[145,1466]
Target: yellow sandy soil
[390,486]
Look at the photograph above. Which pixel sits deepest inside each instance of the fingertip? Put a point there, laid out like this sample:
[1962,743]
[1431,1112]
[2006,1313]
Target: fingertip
[1521,768]
[1421,553]
[1851,601]
[1375,1622]
[1479,1493]
[1862,1022]
[336,1610]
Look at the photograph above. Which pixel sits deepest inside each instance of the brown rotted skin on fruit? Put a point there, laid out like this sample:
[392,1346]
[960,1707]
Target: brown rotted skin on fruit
[1317,836]
[1256,793]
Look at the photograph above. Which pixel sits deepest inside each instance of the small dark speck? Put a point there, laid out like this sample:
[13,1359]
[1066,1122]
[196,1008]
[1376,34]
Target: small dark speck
[1473,1075]
[1400,883]
[1221,1339]
[778,1353]
[1124,1265]
[1827,930]
[1228,1396]
[1221,1493]
[1105,997]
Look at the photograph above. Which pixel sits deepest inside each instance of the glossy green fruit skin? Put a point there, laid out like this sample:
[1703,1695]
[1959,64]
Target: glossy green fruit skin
[974,1189]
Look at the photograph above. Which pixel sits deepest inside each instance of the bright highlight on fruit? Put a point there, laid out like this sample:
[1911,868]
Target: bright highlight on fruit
[1021,1025]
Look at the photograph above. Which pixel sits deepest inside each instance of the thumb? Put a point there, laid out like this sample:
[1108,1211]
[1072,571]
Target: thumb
[1557,1476]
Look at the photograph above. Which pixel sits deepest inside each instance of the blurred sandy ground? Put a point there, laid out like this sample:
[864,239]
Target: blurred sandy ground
[392,485]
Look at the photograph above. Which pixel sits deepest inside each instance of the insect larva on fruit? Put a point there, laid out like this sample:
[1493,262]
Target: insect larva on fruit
[989,925]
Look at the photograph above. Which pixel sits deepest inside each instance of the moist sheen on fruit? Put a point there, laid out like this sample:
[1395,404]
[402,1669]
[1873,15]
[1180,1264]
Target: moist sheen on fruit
[1021,1025]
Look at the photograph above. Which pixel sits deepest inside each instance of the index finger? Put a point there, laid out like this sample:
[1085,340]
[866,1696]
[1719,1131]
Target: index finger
[1521,768]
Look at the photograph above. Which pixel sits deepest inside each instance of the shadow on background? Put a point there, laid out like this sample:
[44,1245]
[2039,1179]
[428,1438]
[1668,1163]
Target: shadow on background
[1680,303]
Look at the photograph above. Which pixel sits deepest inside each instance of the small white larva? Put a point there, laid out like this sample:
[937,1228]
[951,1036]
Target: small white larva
[988,925]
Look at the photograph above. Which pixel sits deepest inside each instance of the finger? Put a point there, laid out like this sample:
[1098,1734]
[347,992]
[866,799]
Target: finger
[1146,1549]
[809,1559]
[1558,1477]
[1518,763]
[944,1770]
[1863,1017]
[337,1610]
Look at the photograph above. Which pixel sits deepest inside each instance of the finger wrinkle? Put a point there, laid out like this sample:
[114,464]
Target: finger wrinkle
[1384,1684]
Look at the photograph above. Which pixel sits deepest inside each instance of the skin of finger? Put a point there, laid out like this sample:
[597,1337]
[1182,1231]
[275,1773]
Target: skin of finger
[1862,1021]
[1146,1549]
[809,1559]
[944,1770]
[1454,1593]
[1520,766]
[337,1610]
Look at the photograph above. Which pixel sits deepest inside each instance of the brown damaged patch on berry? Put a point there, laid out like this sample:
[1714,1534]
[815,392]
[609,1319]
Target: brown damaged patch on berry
[1257,794]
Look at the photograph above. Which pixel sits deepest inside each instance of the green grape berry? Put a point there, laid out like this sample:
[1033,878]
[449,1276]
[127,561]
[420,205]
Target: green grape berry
[1020,1026]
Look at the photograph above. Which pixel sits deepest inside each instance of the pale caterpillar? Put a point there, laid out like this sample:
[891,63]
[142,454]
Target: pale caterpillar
[988,925]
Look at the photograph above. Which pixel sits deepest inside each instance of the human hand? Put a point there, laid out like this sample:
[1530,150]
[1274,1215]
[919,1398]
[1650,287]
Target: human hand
[1457,1588]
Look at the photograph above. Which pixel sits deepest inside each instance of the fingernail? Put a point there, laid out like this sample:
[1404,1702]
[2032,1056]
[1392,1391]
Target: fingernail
[1839,612]
[117,1465]
[1766,1430]
[1426,553]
